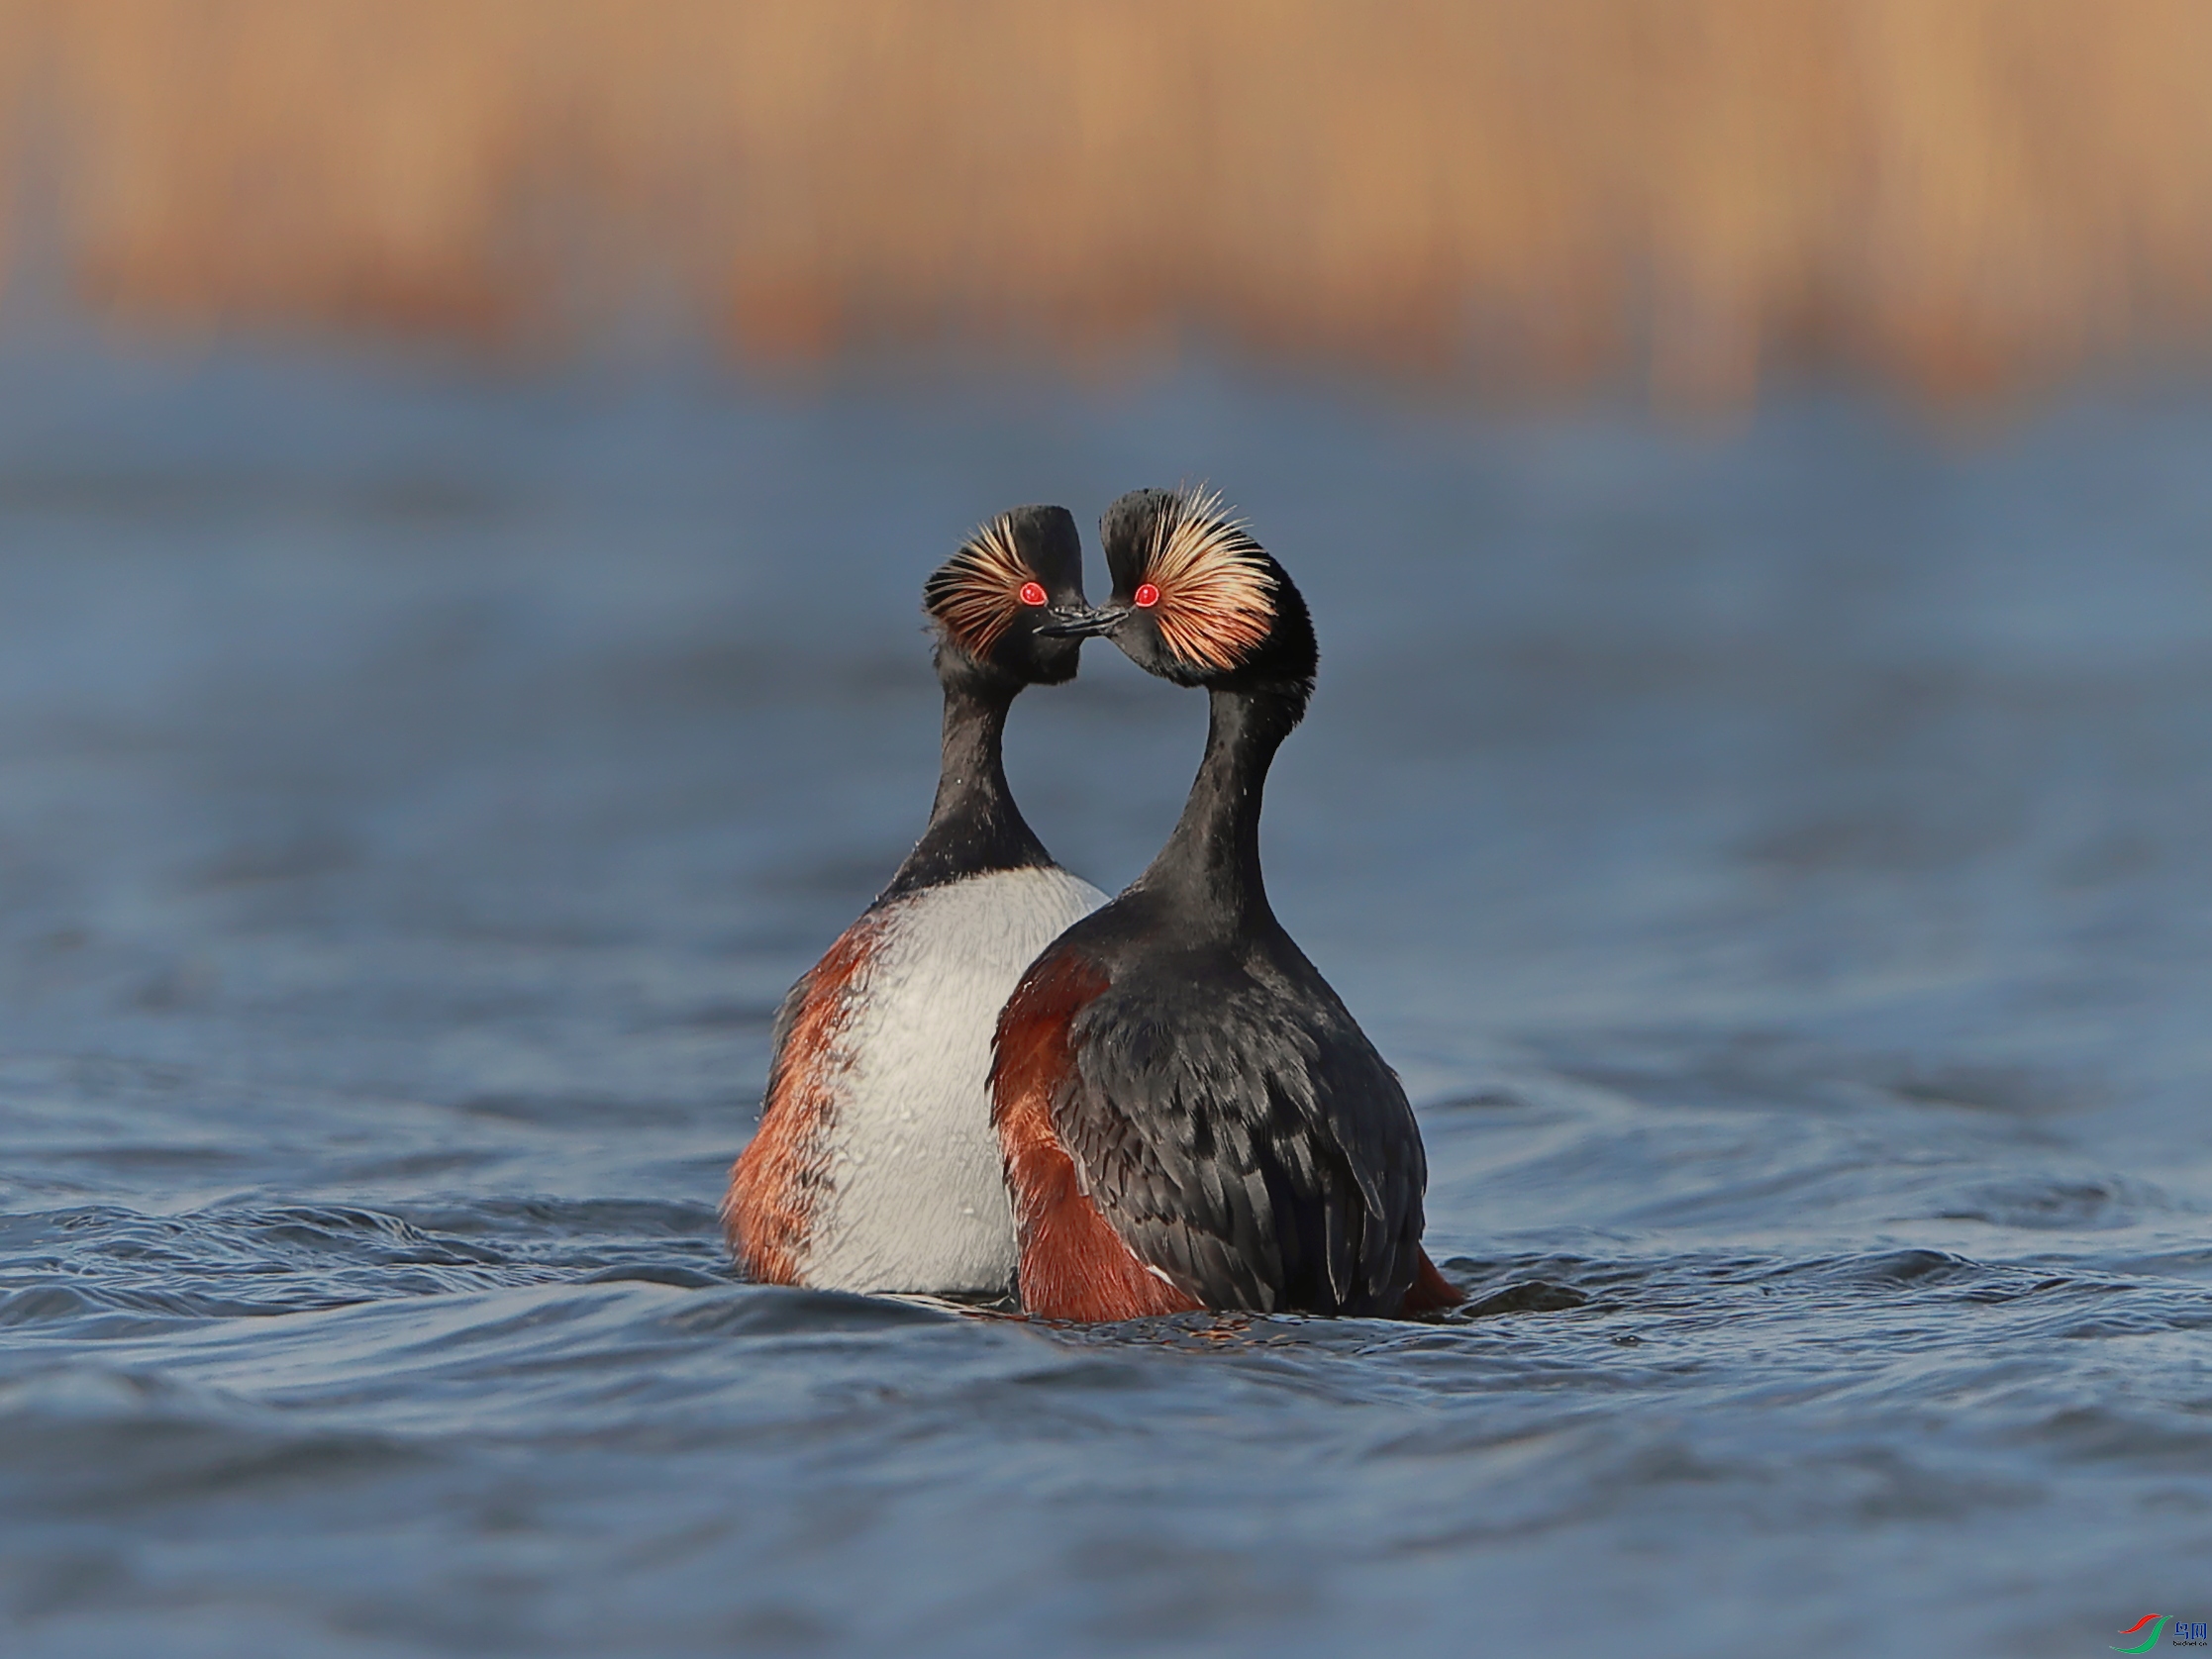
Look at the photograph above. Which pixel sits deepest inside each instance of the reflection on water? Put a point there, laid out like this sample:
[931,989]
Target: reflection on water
[1776,864]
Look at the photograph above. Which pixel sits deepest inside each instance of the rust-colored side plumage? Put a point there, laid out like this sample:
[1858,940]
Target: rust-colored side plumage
[1216,601]
[1431,1291]
[782,1177]
[1073,1264]
[977,594]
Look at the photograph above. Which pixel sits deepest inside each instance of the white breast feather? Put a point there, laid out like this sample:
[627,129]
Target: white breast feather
[917,1192]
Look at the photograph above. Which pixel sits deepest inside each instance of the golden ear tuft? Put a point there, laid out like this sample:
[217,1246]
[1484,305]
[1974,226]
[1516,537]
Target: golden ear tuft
[1216,603]
[977,593]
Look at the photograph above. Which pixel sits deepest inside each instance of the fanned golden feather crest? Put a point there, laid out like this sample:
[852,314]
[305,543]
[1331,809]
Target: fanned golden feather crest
[1217,601]
[977,593]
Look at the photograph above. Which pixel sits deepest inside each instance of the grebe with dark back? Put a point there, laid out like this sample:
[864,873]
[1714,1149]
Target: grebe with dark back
[1190,1117]
[875,1166]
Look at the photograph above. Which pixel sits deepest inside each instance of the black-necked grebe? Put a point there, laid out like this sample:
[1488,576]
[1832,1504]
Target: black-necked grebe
[875,1167]
[1189,1116]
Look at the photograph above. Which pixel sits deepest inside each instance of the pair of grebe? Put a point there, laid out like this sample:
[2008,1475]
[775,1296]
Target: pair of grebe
[998,1077]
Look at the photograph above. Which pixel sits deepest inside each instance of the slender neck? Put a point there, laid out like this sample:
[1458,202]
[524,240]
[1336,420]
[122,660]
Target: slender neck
[1210,867]
[974,825]
[972,765]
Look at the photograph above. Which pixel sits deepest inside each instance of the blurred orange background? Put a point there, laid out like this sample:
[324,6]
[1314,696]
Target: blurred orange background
[1525,196]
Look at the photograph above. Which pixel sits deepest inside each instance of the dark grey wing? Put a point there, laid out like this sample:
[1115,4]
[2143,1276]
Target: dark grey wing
[1364,1106]
[1257,1150]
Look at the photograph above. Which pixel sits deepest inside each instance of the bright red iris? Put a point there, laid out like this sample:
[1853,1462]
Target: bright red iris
[1033,593]
[1148,596]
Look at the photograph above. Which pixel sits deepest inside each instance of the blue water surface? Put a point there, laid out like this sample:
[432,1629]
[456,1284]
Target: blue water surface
[1780,862]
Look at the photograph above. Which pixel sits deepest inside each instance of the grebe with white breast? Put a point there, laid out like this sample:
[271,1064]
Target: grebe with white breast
[875,1167]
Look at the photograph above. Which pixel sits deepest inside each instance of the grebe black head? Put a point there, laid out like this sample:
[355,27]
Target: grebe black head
[995,603]
[1002,608]
[1197,601]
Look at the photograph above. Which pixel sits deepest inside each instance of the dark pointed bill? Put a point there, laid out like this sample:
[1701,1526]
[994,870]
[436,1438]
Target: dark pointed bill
[1087,623]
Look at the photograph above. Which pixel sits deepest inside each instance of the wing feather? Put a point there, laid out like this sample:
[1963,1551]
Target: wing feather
[1264,1159]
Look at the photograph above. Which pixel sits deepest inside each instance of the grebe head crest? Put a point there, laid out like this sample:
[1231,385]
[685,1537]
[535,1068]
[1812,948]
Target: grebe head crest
[994,602]
[1196,600]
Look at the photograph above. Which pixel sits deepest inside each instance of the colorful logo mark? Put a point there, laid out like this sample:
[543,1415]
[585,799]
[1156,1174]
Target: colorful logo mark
[2156,1621]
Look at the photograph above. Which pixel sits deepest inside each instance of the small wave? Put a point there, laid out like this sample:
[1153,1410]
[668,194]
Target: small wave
[245,1262]
[87,1442]
[2038,1203]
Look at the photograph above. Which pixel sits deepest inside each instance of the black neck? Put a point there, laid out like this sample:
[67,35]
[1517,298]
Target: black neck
[974,825]
[1210,867]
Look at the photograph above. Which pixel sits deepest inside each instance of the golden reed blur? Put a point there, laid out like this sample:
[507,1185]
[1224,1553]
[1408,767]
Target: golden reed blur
[1524,194]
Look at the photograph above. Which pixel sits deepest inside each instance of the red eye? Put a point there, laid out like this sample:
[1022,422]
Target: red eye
[1148,596]
[1033,593]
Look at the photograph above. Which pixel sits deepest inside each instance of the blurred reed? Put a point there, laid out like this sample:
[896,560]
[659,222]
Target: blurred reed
[1971,195]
